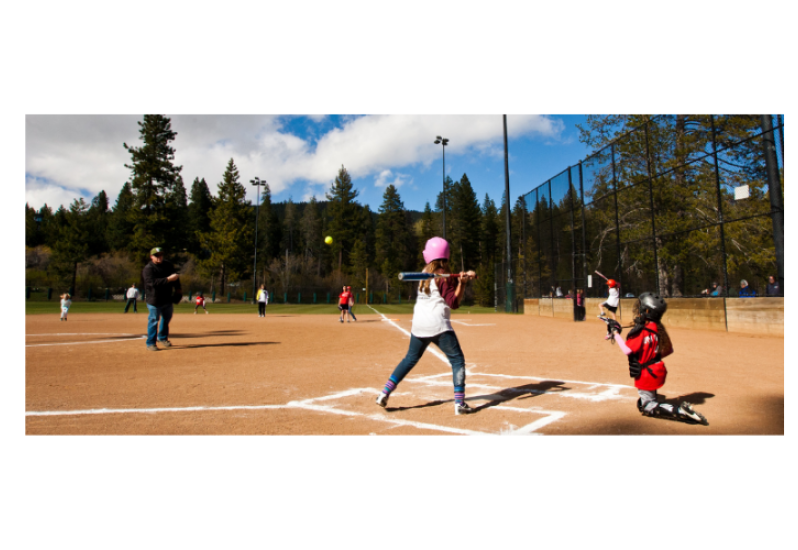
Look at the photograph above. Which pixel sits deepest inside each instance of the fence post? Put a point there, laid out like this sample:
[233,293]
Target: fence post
[27,293]
[314,297]
[213,296]
[245,297]
[371,297]
[384,297]
[298,297]
[49,293]
[107,294]
[328,297]
[228,297]
[400,298]
[89,294]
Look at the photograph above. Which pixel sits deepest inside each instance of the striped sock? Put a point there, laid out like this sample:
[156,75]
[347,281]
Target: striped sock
[459,397]
[389,386]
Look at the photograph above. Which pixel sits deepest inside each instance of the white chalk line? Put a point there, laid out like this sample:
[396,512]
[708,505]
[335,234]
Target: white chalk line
[310,405]
[88,342]
[83,334]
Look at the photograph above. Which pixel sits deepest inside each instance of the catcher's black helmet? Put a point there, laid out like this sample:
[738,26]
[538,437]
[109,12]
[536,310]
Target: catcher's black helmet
[652,306]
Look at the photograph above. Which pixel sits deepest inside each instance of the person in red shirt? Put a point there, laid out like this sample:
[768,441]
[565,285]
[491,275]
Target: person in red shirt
[199,301]
[351,303]
[648,342]
[343,304]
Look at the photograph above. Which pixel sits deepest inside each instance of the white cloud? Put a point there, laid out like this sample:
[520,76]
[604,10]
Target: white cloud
[85,152]
[386,178]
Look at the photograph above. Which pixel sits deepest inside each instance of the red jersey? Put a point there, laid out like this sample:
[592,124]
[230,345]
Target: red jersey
[343,298]
[200,301]
[645,346]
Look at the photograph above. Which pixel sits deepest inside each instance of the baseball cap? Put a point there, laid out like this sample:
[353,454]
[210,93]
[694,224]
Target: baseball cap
[156,250]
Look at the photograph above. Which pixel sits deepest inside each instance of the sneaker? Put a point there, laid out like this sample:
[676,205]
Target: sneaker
[382,400]
[195,313]
[462,408]
[686,411]
[152,347]
[602,316]
[206,312]
[166,343]
[341,320]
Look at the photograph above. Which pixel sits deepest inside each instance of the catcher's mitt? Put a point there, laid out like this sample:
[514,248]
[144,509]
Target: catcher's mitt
[612,326]
[177,296]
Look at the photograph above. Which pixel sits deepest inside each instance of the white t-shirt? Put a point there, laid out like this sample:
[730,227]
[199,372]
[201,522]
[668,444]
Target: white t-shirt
[263,296]
[65,304]
[132,293]
[430,314]
[614,298]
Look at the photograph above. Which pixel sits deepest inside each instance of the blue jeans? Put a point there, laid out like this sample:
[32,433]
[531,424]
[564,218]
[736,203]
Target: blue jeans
[164,313]
[448,344]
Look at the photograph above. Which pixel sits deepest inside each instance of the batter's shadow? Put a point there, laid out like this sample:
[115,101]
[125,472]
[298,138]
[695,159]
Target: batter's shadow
[520,392]
[206,334]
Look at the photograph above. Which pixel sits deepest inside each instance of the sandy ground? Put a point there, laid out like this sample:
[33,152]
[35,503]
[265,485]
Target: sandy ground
[310,374]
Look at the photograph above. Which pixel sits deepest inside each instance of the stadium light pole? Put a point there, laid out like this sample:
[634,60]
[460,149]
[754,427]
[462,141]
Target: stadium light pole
[444,142]
[257,182]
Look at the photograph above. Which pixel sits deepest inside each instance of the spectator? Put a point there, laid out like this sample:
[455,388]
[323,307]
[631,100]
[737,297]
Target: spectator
[745,290]
[773,288]
[570,294]
[132,295]
[580,305]
[558,292]
[160,279]
[714,291]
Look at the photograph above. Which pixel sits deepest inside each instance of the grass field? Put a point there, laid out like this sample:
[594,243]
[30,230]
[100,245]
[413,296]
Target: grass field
[38,308]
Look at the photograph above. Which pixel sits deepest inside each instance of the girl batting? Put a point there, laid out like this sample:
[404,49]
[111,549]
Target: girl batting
[648,342]
[612,302]
[66,303]
[432,325]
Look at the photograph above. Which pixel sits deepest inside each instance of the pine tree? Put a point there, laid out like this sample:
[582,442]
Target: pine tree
[393,247]
[343,213]
[155,182]
[230,236]
[71,246]
[120,224]
[199,213]
[98,220]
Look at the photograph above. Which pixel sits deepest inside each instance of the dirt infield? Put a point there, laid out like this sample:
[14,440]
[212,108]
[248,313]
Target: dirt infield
[310,374]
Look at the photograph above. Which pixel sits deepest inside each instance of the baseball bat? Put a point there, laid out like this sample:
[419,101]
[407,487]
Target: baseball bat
[601,275]
[421,276]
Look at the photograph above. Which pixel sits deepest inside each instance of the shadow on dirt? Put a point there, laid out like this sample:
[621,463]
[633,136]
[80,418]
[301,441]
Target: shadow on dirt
[424,406]
[206,334]
[520,392]
[223,345]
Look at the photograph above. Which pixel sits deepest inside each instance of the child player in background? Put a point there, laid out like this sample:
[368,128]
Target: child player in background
[343,304]
[611,303]
[66,303]
[351,303]
[199,301]
[431,324]
[648,342]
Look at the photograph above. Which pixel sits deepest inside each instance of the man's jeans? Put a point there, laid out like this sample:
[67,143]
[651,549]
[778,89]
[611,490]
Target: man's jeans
[164,313]
[448,344]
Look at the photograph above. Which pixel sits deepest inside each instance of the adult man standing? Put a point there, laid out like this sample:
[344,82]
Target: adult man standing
[162,289]
[773,287]
[132,295]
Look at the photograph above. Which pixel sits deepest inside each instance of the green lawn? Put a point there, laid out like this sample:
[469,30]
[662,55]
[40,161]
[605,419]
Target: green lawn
[36,307]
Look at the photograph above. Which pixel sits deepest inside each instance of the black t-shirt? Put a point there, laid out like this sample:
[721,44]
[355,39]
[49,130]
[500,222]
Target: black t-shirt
[157,289]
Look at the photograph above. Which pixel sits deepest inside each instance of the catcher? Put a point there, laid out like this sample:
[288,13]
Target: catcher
[648,342]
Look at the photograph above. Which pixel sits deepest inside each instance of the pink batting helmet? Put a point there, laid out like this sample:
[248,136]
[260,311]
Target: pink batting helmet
[436,249]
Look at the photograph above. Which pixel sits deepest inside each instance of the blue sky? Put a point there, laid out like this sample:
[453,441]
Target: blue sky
[72,156]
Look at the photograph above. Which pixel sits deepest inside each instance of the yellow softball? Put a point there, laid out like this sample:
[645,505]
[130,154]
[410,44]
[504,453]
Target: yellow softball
[328,240]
